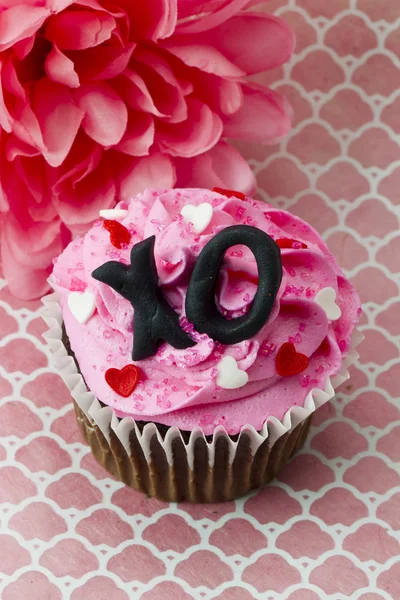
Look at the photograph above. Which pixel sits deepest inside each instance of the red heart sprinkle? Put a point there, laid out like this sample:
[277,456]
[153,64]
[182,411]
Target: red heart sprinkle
[289,362]
[229,193]
[118,233]
[286,243]
[123,381]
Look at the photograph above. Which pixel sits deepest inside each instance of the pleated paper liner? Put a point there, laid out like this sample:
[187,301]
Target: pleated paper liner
[184,466]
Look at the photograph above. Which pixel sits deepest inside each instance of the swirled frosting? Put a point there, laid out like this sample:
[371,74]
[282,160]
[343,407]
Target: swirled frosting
[178,387]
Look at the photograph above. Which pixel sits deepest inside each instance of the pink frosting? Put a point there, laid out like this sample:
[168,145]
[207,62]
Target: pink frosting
[178,387]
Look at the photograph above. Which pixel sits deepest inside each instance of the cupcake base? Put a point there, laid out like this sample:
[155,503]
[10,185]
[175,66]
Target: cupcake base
[222,481]
[176,465]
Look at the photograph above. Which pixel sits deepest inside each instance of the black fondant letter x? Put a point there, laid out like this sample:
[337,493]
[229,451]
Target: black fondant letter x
[155,319]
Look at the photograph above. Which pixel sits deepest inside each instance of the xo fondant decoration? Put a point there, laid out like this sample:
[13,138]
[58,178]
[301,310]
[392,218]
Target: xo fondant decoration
[326,298]
[118,233]
[82,306]
[290,362]
[123,381]
[155,319]
[230,377]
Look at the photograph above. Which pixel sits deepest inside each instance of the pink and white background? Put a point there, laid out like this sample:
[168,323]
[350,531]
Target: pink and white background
[329,527]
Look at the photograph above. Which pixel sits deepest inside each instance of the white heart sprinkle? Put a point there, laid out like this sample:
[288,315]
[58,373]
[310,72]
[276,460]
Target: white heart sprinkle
[113,213]
[326,299]
[200,215]
[230,377]
[82,305]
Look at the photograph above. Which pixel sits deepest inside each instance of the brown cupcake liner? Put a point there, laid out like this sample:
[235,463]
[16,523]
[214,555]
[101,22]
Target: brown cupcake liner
[184,466]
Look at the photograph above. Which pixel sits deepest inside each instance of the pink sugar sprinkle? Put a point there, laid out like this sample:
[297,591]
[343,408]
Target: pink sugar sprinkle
[267,216]
[236,253]
[342,345]
[107,334]
[138,407]
[79,265]
[302,326]
[297,338]
[163,403]
[97,223]
[174,388]
[246,298]
[77,285]
[207,419]
[239,212]
[291,340]
[109,358]
[320,369]
[310,293]
[305,381]
[214,373]
[291,271]
[93,238]
[267,348]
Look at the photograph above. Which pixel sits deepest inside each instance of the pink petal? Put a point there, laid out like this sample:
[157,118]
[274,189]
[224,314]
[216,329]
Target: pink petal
[22,48]
[102,62]
[254,42]
[223,96]
[24,282]
[5,117]
[11,82]
[17,147]
[218,12]
[19,22]
[82,160]
[139,135]
[78,200]
[202,56]
[32,244]
[153,19]
[200,132]
[134,90]
[162,84]
[264,116]
[78,30]
[60,69]
[106,115]
[222,166]
[155,171]
[33,172]
[58,117]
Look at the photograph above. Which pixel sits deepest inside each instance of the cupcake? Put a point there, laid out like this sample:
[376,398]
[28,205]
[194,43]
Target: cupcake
[198,331]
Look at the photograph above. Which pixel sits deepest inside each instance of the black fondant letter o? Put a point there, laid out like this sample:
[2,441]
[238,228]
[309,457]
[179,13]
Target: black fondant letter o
[201,309]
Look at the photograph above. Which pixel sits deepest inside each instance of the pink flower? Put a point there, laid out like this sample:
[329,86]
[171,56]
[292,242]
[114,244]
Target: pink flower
[99,100]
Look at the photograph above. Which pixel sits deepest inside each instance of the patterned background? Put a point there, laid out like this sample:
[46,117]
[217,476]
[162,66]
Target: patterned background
[330,526]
